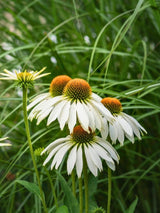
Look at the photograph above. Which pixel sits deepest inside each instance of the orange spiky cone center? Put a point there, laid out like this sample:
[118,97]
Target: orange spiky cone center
[77,89]
[57,85]
[80,136]
[112,104]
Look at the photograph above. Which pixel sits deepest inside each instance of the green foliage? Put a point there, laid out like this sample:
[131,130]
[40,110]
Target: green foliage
[71,201]
[32,187]
[62,209]
[132,207]
[115,45]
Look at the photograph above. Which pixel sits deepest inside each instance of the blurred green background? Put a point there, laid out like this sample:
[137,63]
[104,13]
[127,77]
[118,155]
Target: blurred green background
[115,45]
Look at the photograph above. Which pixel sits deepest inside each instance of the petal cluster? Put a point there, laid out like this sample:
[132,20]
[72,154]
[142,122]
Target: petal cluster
[94,151]
[4,144]
[123,125]
[68,109]
[26,77]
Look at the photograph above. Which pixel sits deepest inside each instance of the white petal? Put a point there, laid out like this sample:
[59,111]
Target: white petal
[102,152]
[111,165]
[71,159]
[55,112]
[113,131]
[59,155]
[96,97]
[97,117]
[135,121]
[52,153]
[43,115]
[92,167]
[82,116]
[95,157]
[5,144]
[103,110]
[109,148]
[64,114]
[90,116]
[104,130]
[125,125]
[79,162]
[55,143]
[120,133]
[72,117]
[37,99]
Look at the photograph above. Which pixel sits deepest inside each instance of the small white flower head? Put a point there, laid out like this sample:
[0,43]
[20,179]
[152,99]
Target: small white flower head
[76,103]
[87,39]
[53,60]
[4,144]
[25,78]
[81,147]
[123,124]
[53,38]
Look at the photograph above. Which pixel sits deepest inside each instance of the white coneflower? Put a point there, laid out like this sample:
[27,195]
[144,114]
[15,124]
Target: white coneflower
[123,125]
[4,144]
[77,103]
[79,145]
[23,78]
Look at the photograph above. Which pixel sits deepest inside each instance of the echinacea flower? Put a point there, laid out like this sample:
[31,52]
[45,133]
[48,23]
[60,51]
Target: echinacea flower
[123,124]
[23,78]
[76,103]
[81,147]
[4,144]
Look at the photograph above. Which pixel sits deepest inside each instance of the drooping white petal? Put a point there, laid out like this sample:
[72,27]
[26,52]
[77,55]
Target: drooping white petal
[90,116]
[113,131]
[55,143]
[104,130]
[55,112]
[92,167]
[125,125]
[111,165]
[130,138]
[96,97]
[135,121]
[120,133]
[95,157]
[60,154]
[102,153]
[97,117]
[52,153]
[71,159]
[82,116]
[79,162]
[109,148]
[103,110]
[43,115]
[37,99]
[72,117]
[64,114]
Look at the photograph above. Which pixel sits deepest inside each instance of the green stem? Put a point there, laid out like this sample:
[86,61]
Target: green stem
[73,183]
[85,184]
[31,148]
[109,189]
[52,187]
[80,196]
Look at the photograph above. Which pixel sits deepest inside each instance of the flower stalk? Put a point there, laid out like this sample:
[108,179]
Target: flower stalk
[80,196]
[85,184]
[30,146]
[109,189]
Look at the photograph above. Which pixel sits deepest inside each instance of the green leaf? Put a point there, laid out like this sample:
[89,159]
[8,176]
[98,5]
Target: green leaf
[32,187]
[132,207]
[70,199]
[62,209]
